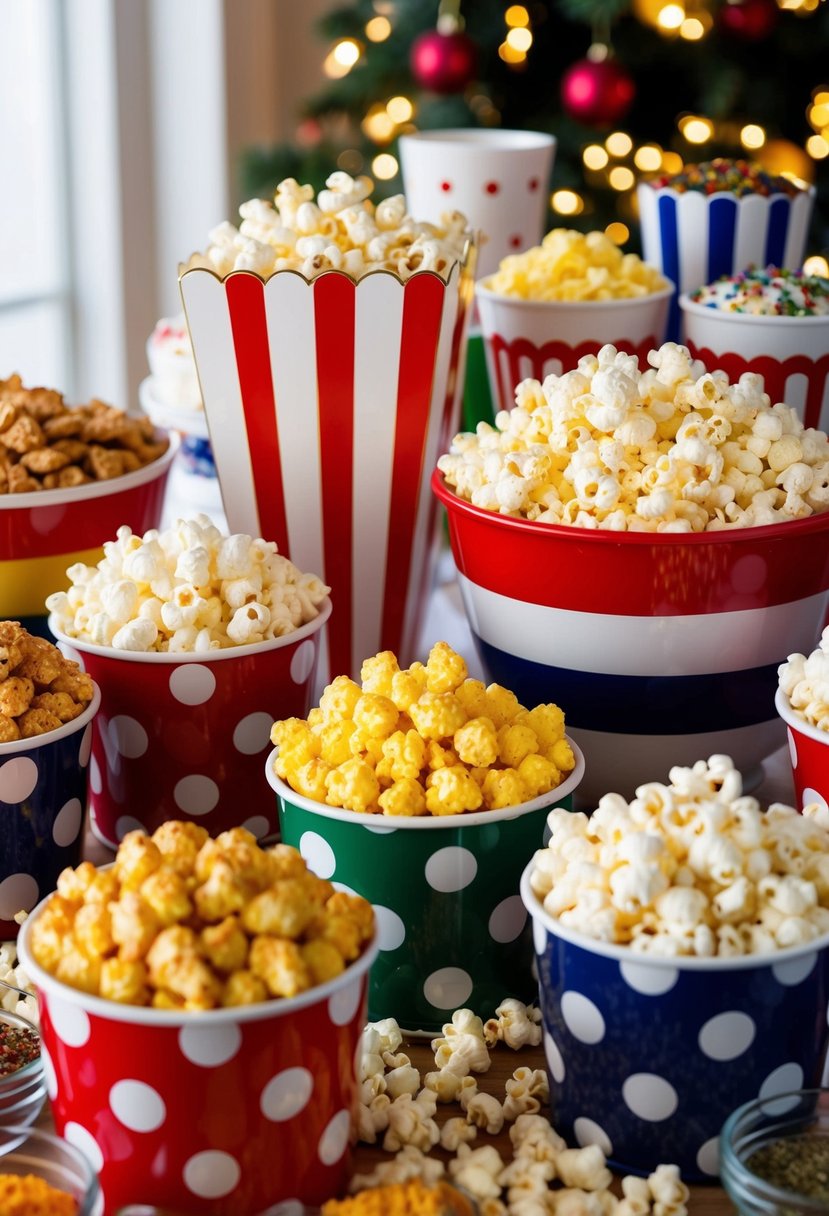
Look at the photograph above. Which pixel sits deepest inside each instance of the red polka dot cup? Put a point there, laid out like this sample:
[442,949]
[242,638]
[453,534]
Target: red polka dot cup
[538,338]
[220,1113]
[809,754]
[43,790]
[183,736]
[498,179]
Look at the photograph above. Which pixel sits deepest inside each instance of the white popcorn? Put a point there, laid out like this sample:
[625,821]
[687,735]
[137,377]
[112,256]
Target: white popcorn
[485,1111]
[526,1090]
[688,868]
[401,1078]
[373,1118]
[516,1024]
[805,681]
[17,993]
[409,1123]
[189,589]
[584,1168]
[478,1171]
[409,1163]
[455,1132]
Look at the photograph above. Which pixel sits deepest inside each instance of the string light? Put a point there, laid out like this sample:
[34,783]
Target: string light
[617,232]
[567,202]
[696,130]
[378,29]
[752,136]
[672,162]
[671,17]
[621,178]
[618,143]
[520,39]
[517,15]
[594,156]
[399,109]
[816,265]
[384,166]
[819,115]
[692,29]
[817,147]
[341,58]
[509,54]
[378,126]
[648,158]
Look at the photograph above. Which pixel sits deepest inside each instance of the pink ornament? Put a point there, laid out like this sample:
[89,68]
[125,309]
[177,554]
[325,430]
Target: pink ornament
[598,94]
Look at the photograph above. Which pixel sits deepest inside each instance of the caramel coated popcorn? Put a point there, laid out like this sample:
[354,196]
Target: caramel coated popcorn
[45,445]
[424,740]
[186,921]
[669,449]
[40,690]
[341,230]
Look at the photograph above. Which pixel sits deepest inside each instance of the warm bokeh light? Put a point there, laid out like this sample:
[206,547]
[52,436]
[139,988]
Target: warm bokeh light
[671,17]
[648,158]
[620,178]
[399,109]
[378,29]
[594,156]
[618,143]
[347,52]
[520,39]
[567,202]
[672,162]
[752,136]
[516,14]
[816,265]
[378,126]
[509,54]
[820,97]
[817,147]
[696,130]
[819,115]
[617,232]
[350,161]
[692,29]
[384,166]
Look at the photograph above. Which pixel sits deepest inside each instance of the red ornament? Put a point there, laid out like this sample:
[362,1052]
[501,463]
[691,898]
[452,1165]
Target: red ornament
[443,63]
[750,20]
[599,94]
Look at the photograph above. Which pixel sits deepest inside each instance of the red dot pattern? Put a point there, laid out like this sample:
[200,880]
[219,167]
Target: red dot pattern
[446,187]
[516,241]
[533,184]
[492,187]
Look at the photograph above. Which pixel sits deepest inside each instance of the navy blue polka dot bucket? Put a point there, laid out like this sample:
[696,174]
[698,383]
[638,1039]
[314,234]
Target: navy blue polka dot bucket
[43,784]
[648,1056]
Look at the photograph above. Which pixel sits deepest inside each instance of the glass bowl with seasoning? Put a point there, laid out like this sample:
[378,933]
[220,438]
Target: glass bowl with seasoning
[42,1175]
[22,1081]
[774,1154]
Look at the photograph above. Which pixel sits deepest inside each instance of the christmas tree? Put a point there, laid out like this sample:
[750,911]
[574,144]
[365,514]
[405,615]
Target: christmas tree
[628,90]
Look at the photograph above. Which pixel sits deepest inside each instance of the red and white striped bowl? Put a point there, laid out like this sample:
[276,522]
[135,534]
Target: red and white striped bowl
[660,648]
[328,404]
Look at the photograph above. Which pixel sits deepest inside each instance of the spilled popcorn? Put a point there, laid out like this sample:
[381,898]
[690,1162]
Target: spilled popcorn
[189,588]
[424,740]
[16,992]
[394,1106]
[341,230]
[670,449]
[690,868]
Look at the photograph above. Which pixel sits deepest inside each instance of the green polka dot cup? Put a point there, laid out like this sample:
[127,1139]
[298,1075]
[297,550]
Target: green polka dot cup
[452,928]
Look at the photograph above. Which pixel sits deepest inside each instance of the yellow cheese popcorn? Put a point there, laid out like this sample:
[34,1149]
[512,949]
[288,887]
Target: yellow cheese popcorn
[422,740]
[570,265]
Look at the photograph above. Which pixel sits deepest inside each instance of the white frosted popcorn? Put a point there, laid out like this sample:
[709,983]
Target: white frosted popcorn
[672,448]
[515,1024]
[690,868]
[189,588]
[485,1111]
[805,681]
[342,230]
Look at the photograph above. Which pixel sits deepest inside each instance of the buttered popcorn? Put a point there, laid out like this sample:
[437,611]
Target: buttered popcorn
[805,681]
[185,921]
[670,449]
[570,265]
[190,588]
[341,230]
[690,868]
[424,740]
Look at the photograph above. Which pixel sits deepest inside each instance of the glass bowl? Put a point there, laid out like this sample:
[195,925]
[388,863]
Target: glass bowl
[26,1150]
[22,1092]
[793,1121]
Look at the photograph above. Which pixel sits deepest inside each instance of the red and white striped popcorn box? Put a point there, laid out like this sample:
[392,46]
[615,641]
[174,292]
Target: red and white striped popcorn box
[328,403]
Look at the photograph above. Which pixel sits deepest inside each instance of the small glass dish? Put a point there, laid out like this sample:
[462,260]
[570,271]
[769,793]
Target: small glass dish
[22,1092]
[799,1123]
[26,1150]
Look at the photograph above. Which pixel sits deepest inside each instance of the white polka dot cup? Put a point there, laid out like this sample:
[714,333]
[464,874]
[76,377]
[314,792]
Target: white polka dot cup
[218,1113]
[43,791]
[809,755]
[790,353]
[499,180]
[183,736]
[538,338]
[452,928]
[647,1056]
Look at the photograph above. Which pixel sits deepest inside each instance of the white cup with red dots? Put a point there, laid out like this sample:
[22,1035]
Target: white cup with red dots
[184,735]
[499,180]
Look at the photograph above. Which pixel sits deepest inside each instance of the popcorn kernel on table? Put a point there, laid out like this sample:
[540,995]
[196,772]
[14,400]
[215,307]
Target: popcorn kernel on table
[191,922]
[424,740]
